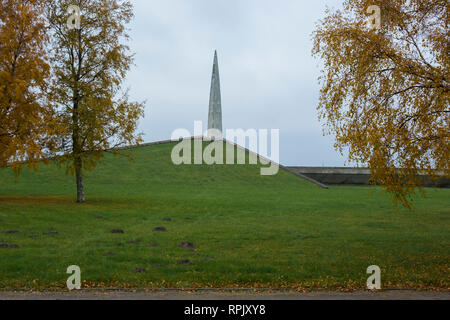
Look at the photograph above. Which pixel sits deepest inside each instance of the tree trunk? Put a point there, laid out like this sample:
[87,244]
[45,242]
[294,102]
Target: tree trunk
[79,177]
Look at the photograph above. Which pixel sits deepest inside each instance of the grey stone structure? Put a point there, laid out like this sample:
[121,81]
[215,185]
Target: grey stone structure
[352,176]
[215,100]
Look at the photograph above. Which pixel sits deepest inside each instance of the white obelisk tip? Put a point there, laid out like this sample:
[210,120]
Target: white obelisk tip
[215,100]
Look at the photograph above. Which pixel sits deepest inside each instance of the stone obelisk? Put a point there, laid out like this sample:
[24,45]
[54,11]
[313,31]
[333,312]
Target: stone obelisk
[215,101]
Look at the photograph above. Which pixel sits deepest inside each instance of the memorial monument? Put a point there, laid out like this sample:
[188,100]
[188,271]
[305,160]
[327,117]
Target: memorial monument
[215,103]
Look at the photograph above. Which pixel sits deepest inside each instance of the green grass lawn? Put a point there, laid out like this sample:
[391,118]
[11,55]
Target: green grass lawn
[249,230]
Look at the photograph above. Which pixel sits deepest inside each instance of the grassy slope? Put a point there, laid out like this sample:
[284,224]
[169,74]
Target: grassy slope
[249,230]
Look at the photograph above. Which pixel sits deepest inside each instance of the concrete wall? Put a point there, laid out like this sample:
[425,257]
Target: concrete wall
[350,176]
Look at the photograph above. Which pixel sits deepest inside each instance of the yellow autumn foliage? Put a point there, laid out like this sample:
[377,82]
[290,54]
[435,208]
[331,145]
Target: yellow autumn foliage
[26,120]
[385,91]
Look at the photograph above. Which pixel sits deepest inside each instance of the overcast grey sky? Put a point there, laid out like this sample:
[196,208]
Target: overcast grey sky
[268,77]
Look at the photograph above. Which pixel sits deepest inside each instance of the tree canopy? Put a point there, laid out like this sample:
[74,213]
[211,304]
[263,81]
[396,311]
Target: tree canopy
[89,63]
[385,91]
[27,124]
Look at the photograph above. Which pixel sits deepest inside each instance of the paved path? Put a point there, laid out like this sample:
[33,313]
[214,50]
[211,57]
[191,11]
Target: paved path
[216,295]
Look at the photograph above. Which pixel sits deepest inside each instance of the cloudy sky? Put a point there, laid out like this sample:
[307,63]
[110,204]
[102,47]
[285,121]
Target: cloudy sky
[268,77]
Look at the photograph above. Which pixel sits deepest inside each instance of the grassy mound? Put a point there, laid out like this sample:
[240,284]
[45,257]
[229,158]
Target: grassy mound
[247,230]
